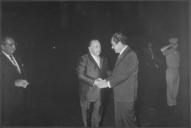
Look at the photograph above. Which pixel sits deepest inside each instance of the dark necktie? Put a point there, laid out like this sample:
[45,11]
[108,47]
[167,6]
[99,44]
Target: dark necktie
[118,59]
[13,60]
[15,63]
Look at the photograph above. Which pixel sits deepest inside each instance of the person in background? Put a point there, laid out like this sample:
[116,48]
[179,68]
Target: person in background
[13,84]
[152,84]
[172,56]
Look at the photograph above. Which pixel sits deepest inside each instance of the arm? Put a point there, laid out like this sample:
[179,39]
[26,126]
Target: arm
[165,49]
[127,68]
[81,71]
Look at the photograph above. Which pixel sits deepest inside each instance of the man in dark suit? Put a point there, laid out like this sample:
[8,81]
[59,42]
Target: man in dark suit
[90,67]
[13,84]
[123,80]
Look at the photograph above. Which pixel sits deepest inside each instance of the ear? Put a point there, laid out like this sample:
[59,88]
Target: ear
[89,49]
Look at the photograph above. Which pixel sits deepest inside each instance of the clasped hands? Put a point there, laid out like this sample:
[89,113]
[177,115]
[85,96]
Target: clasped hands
[100,83]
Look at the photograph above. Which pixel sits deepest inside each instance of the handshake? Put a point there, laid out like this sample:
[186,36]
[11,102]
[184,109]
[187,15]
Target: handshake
[100,83]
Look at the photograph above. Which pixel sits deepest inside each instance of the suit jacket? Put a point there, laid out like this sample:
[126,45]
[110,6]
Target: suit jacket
[88,71]
[11,95]
[123,79]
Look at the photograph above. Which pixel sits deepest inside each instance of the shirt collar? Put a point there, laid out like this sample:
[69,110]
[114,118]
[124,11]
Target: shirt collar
[94,55]
[123,49]
[7,55]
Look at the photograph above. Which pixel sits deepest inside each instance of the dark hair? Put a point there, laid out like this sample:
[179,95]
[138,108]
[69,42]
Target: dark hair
[119,37]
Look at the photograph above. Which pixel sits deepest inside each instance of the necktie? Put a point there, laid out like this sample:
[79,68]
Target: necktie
[117,59]
[98,61]
[13,60]
[15,63]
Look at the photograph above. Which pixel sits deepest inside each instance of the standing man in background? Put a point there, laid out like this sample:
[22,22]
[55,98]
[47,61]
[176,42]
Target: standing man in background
[172,71]
[90,67]
[13,85]
[152,85]
[124,82]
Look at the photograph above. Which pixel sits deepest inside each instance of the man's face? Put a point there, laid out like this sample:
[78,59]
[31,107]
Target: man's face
[9,46]
[95,47]
[174,42]
[116,46]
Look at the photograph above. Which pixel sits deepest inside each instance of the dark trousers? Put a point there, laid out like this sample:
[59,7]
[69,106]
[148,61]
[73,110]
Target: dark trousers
[94,115]
[14,116]
[124,114]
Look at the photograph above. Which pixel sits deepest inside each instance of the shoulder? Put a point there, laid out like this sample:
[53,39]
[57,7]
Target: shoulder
[84,57]
[131,56]
[131,52]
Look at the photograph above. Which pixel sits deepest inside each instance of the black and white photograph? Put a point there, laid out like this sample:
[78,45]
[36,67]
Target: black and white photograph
[95,63]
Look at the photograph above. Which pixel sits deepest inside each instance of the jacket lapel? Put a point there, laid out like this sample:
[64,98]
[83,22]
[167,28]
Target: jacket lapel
[8,62]
[120,58]
[92,59]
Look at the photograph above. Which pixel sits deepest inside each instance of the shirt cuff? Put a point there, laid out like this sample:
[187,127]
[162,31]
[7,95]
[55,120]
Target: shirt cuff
[108,83]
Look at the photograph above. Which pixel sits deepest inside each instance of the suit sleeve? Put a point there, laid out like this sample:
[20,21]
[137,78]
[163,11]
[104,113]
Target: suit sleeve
[128,68]
[81,71]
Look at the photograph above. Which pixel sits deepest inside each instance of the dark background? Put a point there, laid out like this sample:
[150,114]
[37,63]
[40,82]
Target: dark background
[51,36]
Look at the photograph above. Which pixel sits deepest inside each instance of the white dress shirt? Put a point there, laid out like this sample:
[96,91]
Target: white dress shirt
[123,49]
[96,58]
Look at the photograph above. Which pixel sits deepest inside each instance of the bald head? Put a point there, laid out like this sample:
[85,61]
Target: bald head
[95,47]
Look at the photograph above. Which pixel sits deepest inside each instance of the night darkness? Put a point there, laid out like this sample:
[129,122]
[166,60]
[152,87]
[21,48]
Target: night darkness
[51,36]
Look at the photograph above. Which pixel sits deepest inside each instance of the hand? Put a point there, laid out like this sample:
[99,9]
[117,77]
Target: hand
[100,83]
[21,83]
